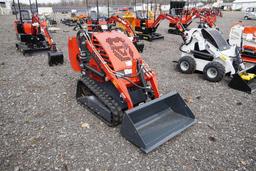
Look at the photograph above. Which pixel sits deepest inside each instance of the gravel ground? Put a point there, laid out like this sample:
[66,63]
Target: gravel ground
[43,128]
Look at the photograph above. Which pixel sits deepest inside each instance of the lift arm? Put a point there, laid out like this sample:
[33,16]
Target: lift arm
[116,19]
[210,20]
[163,17]
[171,19]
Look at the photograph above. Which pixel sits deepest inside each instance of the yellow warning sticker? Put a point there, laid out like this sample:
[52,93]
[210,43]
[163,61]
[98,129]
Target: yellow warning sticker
[224,57]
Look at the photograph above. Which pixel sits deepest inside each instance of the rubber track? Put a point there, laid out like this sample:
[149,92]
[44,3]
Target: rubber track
[107,100]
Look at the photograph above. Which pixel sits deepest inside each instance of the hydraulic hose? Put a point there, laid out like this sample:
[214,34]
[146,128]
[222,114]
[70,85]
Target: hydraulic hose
[134,83]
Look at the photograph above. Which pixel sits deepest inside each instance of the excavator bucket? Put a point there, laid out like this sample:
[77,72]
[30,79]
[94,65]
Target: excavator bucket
[246,83]
[55,58]
[139,46]
[153,123]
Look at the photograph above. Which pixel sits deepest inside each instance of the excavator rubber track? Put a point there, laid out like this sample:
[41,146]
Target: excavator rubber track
[102,105]
[151,37]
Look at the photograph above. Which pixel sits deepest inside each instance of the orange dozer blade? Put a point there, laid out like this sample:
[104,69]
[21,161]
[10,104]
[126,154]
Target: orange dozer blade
[153,123]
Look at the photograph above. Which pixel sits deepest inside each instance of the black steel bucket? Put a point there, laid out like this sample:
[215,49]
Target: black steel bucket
[153,123]
[242,85]
[55,58]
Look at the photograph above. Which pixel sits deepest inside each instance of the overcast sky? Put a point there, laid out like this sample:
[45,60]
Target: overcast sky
[39,1]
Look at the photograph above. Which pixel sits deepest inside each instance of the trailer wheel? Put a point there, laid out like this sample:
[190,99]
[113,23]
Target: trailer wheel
[214,72]
[186,65]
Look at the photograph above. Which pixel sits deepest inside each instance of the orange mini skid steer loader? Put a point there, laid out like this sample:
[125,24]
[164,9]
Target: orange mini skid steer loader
[119,87]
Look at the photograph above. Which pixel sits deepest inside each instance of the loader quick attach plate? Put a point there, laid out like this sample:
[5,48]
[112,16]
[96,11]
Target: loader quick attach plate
[153,123]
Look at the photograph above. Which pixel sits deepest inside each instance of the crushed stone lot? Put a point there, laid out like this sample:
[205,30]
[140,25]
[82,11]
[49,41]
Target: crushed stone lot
[43,128]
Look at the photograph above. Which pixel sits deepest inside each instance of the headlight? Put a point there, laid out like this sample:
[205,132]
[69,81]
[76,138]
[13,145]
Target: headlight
[126,72]
[104,27]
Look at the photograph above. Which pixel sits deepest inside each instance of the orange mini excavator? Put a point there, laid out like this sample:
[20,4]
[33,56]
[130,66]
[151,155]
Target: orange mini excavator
[146,26]
[144,22]
[178,13]
[33,35]
[207,17]
[119,87]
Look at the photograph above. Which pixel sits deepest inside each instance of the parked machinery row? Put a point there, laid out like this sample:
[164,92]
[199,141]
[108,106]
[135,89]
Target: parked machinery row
[118,86]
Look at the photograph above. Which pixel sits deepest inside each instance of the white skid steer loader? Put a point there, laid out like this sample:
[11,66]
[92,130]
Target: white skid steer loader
[205,50]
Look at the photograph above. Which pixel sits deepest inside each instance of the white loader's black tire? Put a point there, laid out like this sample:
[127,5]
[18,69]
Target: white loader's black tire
[186,65]
[246,17]
[214,72]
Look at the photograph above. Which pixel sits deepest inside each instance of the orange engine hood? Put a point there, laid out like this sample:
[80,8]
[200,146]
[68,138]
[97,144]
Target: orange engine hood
[118,47]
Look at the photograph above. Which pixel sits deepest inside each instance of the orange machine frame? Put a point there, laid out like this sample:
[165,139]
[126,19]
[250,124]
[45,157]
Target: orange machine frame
[109,62]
